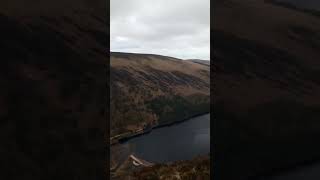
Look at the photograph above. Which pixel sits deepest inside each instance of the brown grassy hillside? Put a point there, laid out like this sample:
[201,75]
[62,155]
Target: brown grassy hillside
[153,89]
[197,168]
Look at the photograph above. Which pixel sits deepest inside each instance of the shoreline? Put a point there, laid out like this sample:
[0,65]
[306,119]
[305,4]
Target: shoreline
[165,124]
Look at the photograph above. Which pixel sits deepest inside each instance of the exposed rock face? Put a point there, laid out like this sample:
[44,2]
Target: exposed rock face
[266,87]
[53,97]
[153,89]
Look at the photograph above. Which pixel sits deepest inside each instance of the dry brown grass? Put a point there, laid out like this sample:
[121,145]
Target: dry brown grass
[138,79]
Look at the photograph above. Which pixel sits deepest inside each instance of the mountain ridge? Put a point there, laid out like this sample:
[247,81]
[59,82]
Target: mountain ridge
[158,82]
[152,54]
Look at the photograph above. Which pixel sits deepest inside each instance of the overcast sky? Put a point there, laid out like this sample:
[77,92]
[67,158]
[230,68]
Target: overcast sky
[178,28]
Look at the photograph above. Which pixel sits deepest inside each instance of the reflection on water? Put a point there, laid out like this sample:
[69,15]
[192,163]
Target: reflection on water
[181,141]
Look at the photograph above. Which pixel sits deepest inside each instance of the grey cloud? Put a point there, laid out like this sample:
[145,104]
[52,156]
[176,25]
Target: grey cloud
[178,28]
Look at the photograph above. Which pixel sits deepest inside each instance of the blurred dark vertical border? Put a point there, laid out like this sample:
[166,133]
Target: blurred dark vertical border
[212,85]
[266,89]
[107,136]
[54,70]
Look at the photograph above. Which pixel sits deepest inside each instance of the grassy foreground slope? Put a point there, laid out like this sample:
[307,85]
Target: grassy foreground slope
[194,169]
[153,90]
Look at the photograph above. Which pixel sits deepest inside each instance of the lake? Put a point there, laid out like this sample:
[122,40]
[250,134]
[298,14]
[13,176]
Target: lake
[180,141]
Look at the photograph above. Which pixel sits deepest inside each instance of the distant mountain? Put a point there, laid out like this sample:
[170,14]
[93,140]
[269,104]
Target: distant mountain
[151,89]
[204,62]
[267,100]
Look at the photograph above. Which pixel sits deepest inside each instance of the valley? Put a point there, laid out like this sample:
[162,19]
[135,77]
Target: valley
[151,94]
[151,90]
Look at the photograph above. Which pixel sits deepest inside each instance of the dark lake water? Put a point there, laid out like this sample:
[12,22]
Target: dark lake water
[181,141]
[305,4]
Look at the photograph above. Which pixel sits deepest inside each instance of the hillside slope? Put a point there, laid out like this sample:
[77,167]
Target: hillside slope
[197,168]
[153,90]
[267,101]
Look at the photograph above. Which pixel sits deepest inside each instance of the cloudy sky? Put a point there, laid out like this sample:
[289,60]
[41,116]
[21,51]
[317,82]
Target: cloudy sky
[178,28]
